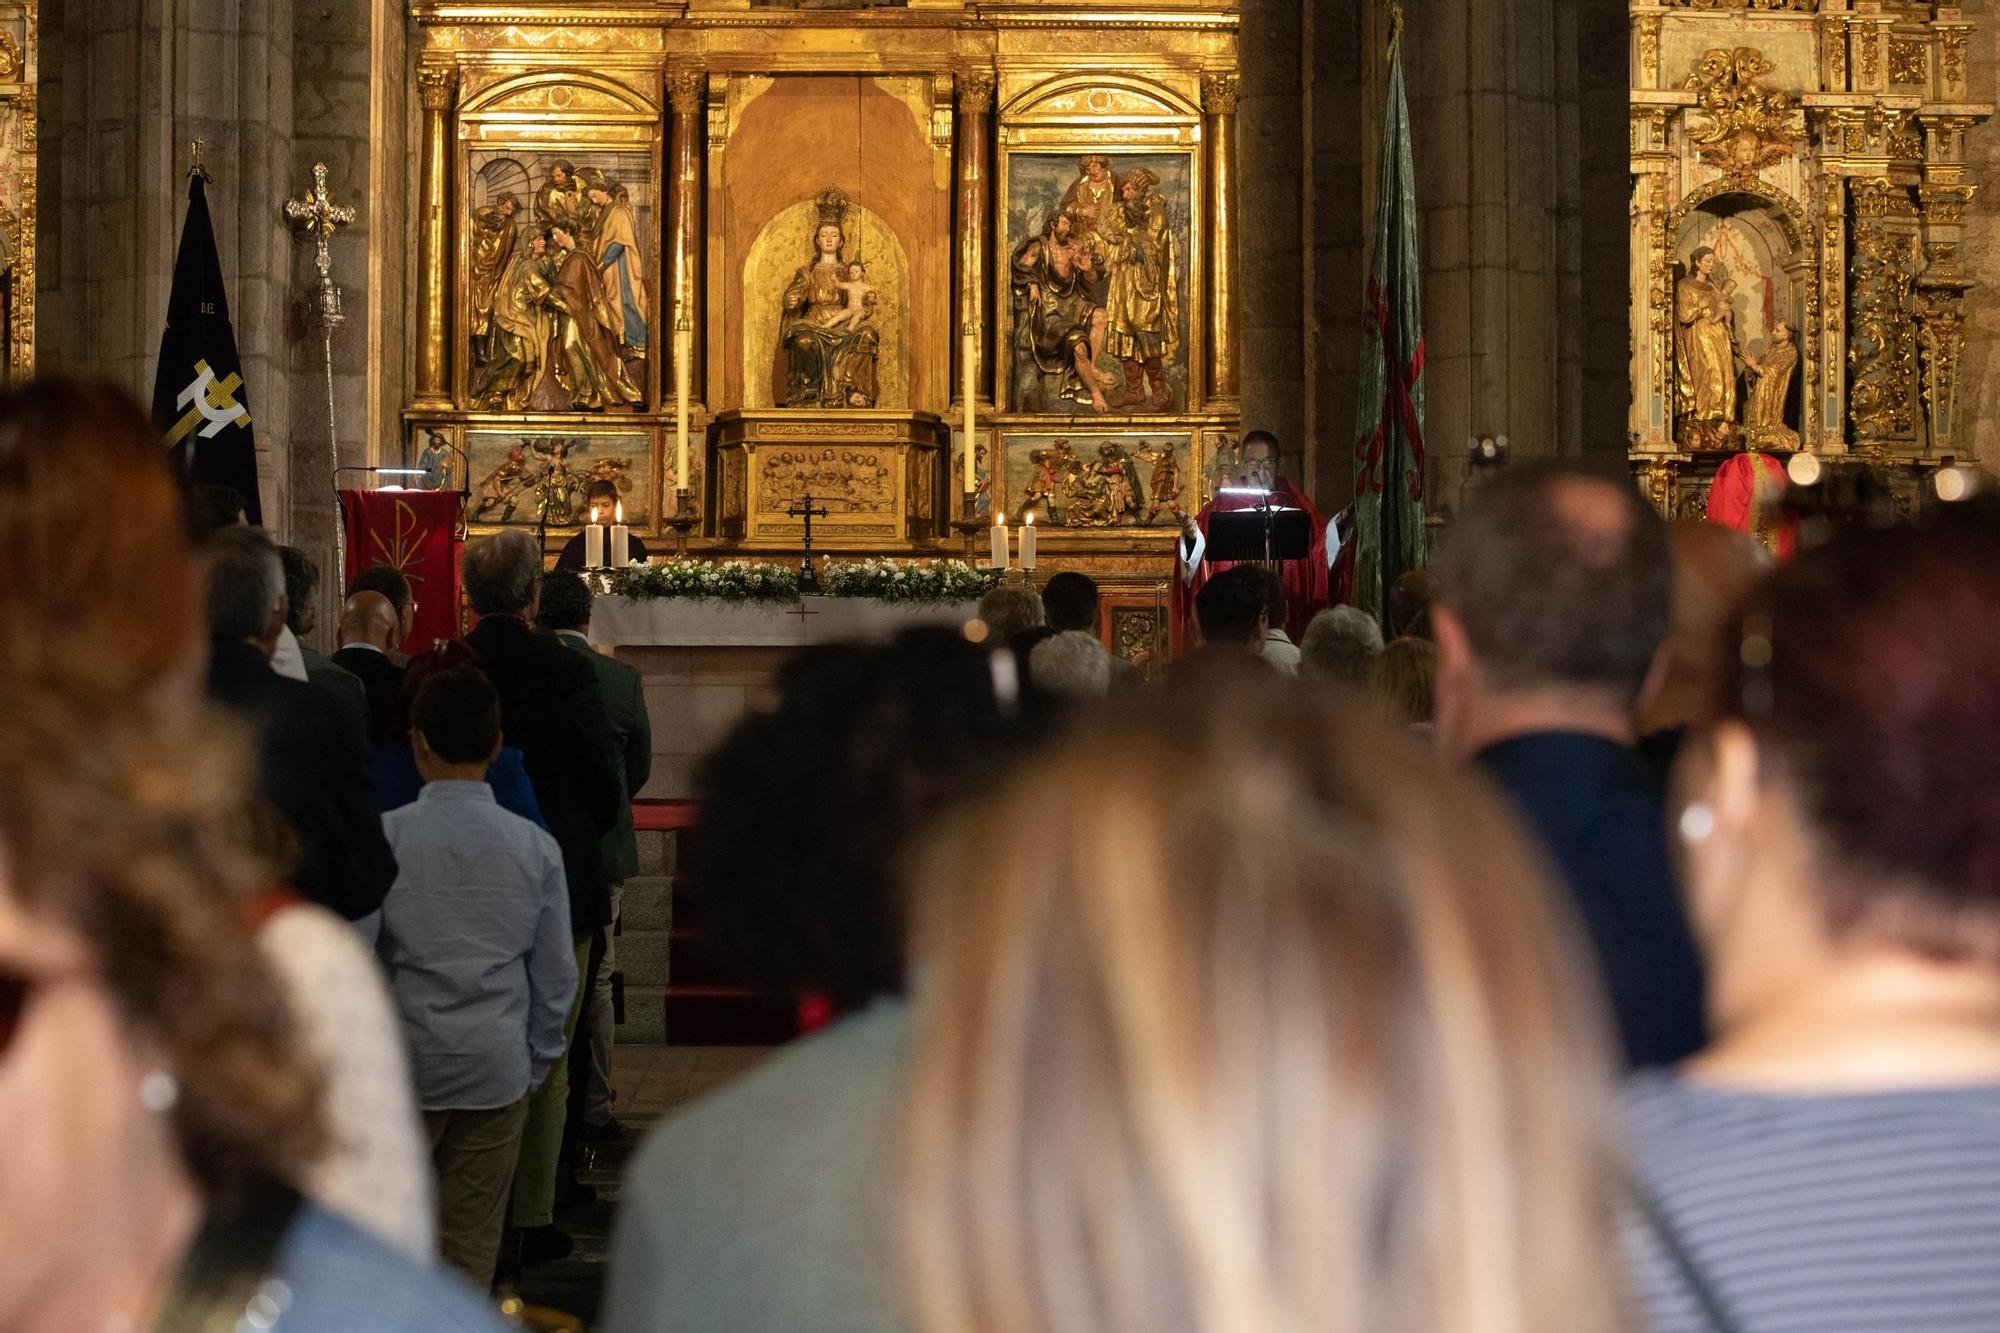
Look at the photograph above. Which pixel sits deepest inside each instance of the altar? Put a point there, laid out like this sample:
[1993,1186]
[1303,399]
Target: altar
[706,663]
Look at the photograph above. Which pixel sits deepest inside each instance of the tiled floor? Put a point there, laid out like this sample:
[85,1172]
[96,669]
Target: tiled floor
[651,1081]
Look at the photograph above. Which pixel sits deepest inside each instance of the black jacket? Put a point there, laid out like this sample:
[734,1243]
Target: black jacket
[1600,814]
[551,710]
[313,766]
[383,680]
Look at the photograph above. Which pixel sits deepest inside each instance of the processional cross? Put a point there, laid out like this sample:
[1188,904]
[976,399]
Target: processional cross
[805,509]
[319,217]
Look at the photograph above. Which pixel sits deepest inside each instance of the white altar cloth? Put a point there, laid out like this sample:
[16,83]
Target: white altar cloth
[684,622]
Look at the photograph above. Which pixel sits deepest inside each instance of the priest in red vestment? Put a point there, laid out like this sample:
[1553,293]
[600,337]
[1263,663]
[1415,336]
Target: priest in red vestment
[1307,585]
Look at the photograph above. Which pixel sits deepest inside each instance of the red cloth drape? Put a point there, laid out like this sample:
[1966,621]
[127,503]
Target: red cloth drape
[1307,586]
[415,532]
[1748,495]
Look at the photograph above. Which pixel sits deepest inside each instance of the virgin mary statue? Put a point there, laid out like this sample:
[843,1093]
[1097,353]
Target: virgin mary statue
[830,345]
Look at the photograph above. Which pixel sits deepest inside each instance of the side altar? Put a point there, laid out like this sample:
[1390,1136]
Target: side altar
[932,264]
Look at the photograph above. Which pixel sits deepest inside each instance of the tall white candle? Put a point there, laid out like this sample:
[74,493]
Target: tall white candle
[999,541]
[593,546]
[1028,543]
[683,353]
[969,354]
[621,538]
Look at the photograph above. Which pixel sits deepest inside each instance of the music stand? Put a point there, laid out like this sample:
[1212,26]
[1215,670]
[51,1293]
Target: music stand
[1264,534]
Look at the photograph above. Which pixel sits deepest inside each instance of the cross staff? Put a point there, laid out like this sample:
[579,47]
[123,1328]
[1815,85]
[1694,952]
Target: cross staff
[805,509]
[318,216]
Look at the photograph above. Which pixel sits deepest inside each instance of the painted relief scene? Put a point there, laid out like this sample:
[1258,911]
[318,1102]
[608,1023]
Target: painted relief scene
[1112,481]
[1098,263]
[560,286]
[844,480]
[529,480]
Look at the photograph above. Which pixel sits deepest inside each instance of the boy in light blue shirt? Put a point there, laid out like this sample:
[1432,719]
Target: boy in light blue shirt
[476,940]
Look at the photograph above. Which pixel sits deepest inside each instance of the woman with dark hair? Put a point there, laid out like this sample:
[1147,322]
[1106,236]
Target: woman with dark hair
[397,781]
[156,1103]
[1831,1161]
[765,1206]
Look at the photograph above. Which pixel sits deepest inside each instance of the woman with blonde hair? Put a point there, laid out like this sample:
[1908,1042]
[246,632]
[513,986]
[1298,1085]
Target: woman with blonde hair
[1285,1035]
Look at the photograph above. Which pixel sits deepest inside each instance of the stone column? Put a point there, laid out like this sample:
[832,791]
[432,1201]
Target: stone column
[437,87]
[687,88]
[975,109]
[1218,105]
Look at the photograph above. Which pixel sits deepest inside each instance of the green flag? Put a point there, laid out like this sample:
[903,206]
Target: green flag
[1389,431]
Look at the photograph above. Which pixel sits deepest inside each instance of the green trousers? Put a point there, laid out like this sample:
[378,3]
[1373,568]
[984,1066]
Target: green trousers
[541,1139]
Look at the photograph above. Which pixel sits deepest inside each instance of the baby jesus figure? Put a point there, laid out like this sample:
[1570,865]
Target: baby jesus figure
[861,298]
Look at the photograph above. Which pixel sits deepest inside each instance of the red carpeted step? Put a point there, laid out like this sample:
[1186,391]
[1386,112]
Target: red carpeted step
[727,1016]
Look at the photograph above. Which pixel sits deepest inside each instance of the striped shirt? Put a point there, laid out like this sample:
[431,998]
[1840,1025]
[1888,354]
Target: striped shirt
[1835,1213]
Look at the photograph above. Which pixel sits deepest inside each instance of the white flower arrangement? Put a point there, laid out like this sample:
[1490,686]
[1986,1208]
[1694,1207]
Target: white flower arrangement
[755,581]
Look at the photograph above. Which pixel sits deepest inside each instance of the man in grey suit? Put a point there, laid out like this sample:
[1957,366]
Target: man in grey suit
[564,609]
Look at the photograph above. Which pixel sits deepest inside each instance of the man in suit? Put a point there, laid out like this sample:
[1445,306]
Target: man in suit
[313,757]
[301,618]
[552,711]
[1554,600]
[367,626]
[564,610]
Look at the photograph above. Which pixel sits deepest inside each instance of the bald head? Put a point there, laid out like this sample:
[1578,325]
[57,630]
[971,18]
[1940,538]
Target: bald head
[1715,570]
[367,617]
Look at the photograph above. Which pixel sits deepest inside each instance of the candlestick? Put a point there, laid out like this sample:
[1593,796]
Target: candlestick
[593,546]
[683,353]
[969,354]
[621,538]
[1028,543]
[999,542]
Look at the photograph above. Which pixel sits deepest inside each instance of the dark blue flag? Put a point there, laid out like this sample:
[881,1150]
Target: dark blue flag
[199,403]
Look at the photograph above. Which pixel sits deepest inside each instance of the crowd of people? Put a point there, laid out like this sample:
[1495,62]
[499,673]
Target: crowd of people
[1606,938]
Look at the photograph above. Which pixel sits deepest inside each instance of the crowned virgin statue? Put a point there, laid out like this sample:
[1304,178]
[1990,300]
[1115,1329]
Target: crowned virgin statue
[829,334]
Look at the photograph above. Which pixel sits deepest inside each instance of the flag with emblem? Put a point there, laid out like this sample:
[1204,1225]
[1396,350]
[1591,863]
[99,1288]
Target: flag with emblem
[199,402]
[1389,445]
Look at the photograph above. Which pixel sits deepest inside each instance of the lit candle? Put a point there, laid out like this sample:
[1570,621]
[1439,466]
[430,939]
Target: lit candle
[621,538]
[593,546]
[683,354]
[969,354]
[1028,543]
[999,541]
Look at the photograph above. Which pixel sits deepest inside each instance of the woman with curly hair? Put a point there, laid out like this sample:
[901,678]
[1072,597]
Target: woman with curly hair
[155,1101]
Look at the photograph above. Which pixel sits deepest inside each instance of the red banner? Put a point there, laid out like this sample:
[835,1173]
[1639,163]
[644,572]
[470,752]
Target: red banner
[415,532]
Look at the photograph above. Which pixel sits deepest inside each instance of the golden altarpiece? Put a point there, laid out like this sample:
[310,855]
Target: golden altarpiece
[836,223]
[1799,190]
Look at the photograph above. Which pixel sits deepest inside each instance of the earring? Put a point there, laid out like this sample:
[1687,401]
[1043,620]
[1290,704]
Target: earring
[159,1092]
[1697,822]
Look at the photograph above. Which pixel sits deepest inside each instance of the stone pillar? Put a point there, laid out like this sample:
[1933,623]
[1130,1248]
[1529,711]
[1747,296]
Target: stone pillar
[1218,105]
[975,110]
[687,88]
[437,87]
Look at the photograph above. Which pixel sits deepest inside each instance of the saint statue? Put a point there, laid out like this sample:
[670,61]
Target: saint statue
[587,364]
[523,321]
[1059,325]
[560,201]
[830,349]
[1092,198]
[1705,342]
[621,262]
[1771,384]
[1142,307]
[493,237]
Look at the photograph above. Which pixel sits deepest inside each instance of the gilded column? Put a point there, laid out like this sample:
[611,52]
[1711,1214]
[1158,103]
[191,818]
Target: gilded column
[687,89]
[1218,105]
[975,109]
[437,87]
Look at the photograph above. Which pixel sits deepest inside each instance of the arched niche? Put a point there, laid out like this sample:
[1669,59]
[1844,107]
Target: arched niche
[1764,242]
[782,246]
[1099,96]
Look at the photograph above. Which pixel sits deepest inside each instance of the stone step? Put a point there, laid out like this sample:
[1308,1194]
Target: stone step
[648,903]
[645,1016]
[644,956]
[656,852]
